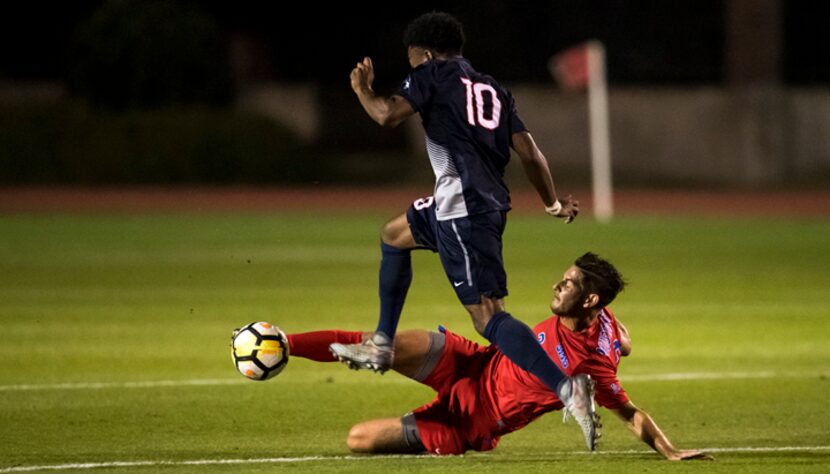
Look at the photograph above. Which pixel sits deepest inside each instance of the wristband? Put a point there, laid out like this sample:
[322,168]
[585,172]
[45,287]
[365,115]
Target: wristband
[555,209]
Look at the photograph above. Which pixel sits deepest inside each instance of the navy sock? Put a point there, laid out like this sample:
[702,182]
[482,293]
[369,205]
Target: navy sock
[517,341]
[395,277]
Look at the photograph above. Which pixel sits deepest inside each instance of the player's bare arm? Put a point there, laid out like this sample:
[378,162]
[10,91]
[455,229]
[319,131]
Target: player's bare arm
[387,111]
[643,427]
[538,173]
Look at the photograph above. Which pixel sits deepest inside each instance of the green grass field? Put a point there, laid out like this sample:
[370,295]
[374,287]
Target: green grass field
[99,312]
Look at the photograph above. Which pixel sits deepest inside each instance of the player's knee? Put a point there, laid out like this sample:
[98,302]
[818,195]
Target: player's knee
[390,232]
[397,234]
[386,234]
[480,321]
[360,439]
[483,312]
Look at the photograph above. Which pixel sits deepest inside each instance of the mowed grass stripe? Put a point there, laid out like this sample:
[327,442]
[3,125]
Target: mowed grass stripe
[668,377]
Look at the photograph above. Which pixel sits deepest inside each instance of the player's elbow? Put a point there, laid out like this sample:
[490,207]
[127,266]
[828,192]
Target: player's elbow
[391,112]
[388,121]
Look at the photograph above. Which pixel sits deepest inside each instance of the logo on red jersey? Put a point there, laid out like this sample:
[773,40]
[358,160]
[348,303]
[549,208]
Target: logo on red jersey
[541,337]
[563,358]
[605,332]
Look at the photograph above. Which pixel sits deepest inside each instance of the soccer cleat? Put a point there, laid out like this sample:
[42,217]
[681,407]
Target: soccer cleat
[375,353]
[577,393]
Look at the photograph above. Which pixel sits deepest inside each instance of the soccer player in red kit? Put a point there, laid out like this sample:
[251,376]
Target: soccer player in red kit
[482,395]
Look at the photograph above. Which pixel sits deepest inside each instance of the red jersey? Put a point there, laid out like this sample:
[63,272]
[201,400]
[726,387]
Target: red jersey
[518,397]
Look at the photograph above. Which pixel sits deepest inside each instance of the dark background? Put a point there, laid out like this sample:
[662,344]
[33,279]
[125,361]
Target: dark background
[652,42]
[145,91]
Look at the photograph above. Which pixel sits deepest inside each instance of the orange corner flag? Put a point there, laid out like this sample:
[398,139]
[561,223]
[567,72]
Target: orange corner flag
[570,67]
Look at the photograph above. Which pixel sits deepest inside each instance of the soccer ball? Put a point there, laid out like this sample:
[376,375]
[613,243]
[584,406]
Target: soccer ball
[259,350]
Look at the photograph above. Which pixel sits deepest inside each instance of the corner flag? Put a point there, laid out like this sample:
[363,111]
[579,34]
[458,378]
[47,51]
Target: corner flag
[577,68]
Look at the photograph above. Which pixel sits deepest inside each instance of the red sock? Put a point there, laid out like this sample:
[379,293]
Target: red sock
[315,345]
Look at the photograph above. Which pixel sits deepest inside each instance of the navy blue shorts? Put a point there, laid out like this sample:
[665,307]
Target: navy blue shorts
[469,248]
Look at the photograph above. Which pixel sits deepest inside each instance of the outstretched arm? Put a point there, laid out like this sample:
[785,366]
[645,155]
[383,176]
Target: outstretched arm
[387,111]
[643,427]
[538,173]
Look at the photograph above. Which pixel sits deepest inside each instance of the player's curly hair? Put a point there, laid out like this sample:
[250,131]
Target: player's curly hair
[601,277]
[436,30]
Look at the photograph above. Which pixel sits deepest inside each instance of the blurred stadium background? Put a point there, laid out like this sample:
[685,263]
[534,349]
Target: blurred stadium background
[170,170]
[707,93]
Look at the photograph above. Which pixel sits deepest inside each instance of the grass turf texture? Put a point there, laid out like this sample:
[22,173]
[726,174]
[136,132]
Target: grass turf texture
[132,298]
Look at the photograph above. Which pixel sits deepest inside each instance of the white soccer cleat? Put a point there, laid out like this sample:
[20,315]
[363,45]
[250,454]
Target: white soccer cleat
[375,353]
[578,396]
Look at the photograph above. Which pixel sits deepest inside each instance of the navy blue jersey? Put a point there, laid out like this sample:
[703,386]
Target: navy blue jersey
[469,119]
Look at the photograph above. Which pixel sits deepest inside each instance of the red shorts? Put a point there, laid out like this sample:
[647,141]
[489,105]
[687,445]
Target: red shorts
[458,419]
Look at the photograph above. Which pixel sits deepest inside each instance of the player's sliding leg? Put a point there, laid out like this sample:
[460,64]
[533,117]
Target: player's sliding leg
[517,341]
[394,277]
[411,348]
[386,435]
[417,352]
[315,345]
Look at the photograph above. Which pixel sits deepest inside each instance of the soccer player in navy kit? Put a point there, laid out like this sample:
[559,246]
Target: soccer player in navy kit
[471,123]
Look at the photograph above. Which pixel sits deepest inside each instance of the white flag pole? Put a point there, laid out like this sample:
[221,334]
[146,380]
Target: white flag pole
[600,134]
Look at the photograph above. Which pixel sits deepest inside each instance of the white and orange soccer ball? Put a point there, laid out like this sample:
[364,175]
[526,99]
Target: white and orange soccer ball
[259,350]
